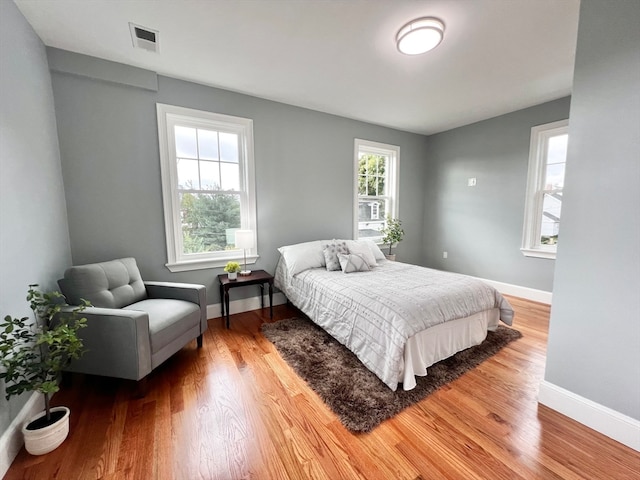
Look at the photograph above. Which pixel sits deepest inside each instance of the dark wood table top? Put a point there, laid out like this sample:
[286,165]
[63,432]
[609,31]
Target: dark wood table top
[256,276]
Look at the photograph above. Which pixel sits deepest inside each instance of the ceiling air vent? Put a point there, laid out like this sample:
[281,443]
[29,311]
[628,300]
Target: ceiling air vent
[145,38]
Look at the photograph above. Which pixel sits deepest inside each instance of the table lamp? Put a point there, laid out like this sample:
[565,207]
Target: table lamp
[245,240]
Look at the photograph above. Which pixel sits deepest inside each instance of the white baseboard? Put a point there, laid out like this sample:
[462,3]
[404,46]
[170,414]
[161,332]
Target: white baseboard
[541,296]
[11,440]
[615,425]
[244,305]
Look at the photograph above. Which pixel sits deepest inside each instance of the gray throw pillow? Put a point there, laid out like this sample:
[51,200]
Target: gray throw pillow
[331,252]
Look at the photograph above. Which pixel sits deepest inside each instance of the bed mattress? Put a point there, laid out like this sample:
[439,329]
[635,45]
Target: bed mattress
[377,314]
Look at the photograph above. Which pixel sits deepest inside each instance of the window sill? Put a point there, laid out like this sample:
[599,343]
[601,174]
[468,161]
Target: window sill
[532,252]
[203,264]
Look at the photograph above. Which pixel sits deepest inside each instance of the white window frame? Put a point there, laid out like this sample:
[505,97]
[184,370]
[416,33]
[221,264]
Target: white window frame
[540,135]
[170,116]
[391,171]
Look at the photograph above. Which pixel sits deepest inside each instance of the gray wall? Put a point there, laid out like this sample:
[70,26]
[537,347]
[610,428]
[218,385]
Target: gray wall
[594,339]
[34,237]
[109,150]
[304,168]
[481,227]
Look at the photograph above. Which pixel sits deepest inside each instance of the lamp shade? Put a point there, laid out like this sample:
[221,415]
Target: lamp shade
[245,239]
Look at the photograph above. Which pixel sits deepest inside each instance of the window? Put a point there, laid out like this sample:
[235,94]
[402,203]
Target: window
[207,184]
[376,187]
[545,181]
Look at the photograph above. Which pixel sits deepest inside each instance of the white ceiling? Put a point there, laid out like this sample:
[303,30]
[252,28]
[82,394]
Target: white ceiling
[339,56]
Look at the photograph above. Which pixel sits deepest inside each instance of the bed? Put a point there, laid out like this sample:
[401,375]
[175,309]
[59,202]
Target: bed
[397,318]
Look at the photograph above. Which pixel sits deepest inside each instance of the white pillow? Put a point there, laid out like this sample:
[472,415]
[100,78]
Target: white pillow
[303,256]
[377,253]
[353,263]
[361,248]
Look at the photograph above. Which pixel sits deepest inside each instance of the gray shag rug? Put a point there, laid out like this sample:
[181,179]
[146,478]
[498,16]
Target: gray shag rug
[359,398]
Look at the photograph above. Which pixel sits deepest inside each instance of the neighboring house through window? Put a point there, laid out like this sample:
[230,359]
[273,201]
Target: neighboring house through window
[375,211]
[545,183]
[208,186]
[376,187]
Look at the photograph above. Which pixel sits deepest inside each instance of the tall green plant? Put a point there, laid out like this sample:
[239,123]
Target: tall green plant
[392,232]
[33,354]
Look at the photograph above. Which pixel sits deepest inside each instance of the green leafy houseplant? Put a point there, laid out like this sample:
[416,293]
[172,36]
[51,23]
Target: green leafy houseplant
[33,354]
[392,232]
[232,267]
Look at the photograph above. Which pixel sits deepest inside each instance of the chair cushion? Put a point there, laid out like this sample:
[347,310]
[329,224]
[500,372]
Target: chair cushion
[168,319]
[112,284]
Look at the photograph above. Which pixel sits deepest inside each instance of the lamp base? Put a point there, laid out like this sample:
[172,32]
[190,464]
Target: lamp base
[245,272]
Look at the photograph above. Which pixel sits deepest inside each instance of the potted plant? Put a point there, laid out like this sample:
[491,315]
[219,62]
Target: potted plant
[32,356]
[392,234]
[232,269]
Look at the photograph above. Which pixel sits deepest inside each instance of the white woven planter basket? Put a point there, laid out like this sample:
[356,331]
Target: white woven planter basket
[47,439]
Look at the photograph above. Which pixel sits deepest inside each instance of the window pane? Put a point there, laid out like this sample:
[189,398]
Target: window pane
[364,172]
[362,185]
[186,142]
[188,174]
[368,225]
[554,178]
[208,144]
[230,176]
[229,147]
[210,175]
[206,218]
[371,174]
[557,149]
[550,222]
[380,183]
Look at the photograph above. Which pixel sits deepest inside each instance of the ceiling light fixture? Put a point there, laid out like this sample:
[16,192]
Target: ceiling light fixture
[420,35]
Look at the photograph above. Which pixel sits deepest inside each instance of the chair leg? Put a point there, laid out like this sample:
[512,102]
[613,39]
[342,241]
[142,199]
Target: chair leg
[142,387]
[199,341]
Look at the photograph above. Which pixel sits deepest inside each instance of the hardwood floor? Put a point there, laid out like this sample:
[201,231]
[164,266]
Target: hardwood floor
[235,410]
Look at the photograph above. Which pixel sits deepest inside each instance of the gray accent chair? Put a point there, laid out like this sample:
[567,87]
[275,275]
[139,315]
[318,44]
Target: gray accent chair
[133,326]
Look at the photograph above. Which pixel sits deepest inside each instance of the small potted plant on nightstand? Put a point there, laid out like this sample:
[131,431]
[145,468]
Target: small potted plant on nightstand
[392,235]
[232,269]
[32,356]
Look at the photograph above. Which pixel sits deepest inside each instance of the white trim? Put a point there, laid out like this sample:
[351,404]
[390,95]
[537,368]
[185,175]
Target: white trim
[392,173]
[12,440]
[169,116]
[540,135]
[540,296]
[210,263]
[611,423]
[245,305]
[539,253]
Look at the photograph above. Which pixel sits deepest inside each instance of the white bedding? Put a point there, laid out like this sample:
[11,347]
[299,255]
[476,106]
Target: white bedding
[384,315]
[441,341]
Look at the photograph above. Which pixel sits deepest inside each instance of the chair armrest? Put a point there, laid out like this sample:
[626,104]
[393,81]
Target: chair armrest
[117,344]
[190,292]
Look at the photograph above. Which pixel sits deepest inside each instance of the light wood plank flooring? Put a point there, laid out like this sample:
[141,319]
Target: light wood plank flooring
[235,410]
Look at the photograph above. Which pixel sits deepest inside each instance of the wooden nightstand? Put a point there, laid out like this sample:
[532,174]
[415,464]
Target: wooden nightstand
[256,277]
